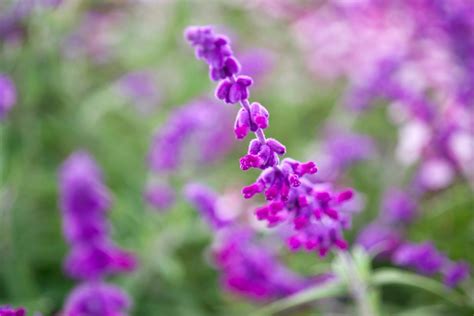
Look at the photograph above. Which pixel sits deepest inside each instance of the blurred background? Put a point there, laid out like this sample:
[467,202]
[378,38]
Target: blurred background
[375,92]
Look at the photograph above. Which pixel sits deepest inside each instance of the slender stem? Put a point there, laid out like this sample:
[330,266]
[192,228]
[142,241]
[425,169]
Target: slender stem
[357,286]
[246,105]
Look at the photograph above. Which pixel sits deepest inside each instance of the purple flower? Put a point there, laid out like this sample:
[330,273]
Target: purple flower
[160,196]
[7,95]
[139,87]
[423,69]
[291,198]
[205,201]
[257,63]
[252,270]
[84,198]
[10,311]
[201,123]
[97,299]
[455,273]
[234,90]
[346,148]
[92,261]
[423,257]
[215,50]
[379,239]
[84,202]
[398,207]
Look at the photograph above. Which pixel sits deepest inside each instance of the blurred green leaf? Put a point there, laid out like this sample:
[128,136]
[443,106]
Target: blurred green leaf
[390,276]
[325,290]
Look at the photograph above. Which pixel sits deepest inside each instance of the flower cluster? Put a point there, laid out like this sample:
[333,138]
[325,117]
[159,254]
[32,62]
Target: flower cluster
[424,69]
[291,197]
[247,266]
[84,202]
[204,200]
[384,237]
[341,149]
[201,124]
[7,95]
[425,259]
[10,311]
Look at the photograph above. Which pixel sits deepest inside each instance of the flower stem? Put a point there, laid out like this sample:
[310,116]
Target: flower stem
[358,287]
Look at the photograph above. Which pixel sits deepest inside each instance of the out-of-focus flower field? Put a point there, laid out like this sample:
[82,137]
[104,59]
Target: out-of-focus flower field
[127,183]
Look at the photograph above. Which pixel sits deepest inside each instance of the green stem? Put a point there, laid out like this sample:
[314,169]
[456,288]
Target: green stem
[358,287]
[389,276]
[320,291]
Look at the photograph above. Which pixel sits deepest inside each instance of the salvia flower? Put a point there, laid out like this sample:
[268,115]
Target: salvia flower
[398,207]
[454,273]
[10,311]
[426,259]
[248,267]
[85,201]
[422,257]
[92,261]
[97,299]
[7,95]
[205,201]
[252,270]
[200,123]
[291,198]
[423,68]
[380,239]
[340,150]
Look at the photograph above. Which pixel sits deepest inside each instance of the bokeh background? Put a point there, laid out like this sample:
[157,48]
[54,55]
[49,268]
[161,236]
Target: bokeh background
[105,76]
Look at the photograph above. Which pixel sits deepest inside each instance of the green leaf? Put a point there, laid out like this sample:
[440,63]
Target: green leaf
[325,290]
[390,276]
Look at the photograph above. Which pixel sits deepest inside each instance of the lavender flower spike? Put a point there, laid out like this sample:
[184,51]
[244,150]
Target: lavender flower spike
[422,257]
[84,202]
[313,212]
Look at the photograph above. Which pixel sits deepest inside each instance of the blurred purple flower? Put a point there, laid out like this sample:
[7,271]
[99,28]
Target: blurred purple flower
[424,67]
[7,95]
[97,299]
[379,239]
[398,207]
[347,148]
[10,311]
[252,270]
[455,273]
[257,63]
[139,88]
[160,196]
[423,257]
[205,201]
[200,123]
[84,200]
[93,261]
